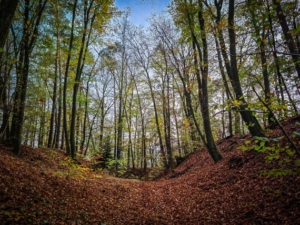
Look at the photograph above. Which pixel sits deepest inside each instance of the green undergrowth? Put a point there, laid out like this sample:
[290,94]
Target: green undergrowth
[276,150]
[73,170]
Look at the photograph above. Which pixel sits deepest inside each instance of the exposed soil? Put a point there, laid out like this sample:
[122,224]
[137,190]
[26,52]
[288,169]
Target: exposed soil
[43,187]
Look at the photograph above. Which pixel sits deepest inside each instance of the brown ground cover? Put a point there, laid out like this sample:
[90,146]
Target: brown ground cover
[43,187]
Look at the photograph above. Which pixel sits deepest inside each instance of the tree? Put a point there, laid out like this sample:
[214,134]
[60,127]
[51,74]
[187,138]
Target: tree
[161,66]
[251,122]
[188,13]
[280,79]
[7,11]
[53,139]
[30,34]
[179,56]
[290,42]
[231,65]
[142,54]
[65,122]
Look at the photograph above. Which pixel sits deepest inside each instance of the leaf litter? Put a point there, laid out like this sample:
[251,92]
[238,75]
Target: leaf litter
[40,187]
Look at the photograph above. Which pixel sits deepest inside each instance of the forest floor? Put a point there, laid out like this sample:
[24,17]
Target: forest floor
[42,186]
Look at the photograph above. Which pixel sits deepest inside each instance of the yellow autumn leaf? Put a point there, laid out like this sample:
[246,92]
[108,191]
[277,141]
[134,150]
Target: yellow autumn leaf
[236,102]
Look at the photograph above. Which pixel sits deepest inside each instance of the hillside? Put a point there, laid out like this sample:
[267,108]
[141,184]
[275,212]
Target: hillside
[43,187]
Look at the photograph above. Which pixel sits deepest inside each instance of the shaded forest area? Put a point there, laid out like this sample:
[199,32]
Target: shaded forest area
[205,99]
[43,187]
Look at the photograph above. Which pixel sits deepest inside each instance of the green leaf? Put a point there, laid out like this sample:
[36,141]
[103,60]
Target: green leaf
[290,152]
[297,133]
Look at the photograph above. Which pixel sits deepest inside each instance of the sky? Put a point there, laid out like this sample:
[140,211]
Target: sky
[142,9]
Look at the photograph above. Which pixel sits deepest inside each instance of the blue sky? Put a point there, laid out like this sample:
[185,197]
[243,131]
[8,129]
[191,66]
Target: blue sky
[142,9]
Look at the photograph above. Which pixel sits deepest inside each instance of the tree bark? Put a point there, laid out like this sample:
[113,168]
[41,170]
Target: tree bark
[27,43]
[249,119]
[225,82]
[80,64]
[7,11]
[261,37]
[65,124]
[288,36]
[202,66]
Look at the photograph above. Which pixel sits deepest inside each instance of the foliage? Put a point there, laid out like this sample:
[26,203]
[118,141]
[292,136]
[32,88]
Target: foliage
[274,149]
[74,170]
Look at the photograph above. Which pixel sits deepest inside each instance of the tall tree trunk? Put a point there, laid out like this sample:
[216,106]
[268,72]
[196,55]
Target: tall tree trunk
[84,119]
[53,109]
[144,147]
[129,125]
[29,37]
[281,81]
[65,122]
[59,112]
[176,121]
[261,42]
[249,119]
[166,110]
[42,126]
[157,121]
[80,64]
[288,36]
[231,67]
[202,79]
[187,101]
[20,97]
[225,82]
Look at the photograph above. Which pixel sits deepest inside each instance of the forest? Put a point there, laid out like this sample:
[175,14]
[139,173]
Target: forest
[208,85]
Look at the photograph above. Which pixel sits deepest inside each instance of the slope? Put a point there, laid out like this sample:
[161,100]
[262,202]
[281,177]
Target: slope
[42,186]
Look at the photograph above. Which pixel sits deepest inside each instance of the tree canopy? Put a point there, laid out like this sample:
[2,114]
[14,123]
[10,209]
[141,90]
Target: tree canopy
[81,77]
